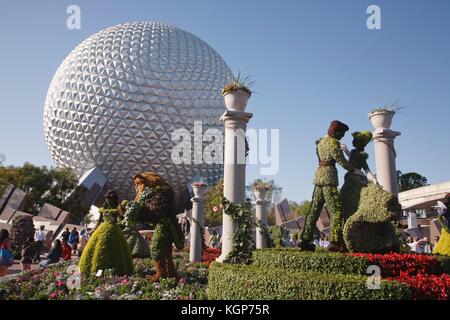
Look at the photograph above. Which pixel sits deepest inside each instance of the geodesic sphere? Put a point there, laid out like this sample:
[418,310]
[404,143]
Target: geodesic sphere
[117,97]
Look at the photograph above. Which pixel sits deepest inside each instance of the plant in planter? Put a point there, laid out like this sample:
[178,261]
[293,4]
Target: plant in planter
[200,188]
[260,189]
[382,117]
[236,92]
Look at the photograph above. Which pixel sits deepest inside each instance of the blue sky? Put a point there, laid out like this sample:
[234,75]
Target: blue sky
[313,61]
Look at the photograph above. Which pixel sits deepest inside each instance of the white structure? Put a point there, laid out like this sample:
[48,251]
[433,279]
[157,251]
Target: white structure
[234,171]
[424,197]
[261,218]
[385,151]
[118,96]
[197,225]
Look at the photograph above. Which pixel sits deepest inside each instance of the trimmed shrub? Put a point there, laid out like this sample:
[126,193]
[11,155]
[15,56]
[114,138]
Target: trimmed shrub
[295,259]
[107,249]
[371,229]
[241,282]
[21,230]
[443,263]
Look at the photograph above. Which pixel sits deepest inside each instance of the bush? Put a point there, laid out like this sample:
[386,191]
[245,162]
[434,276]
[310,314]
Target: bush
[240,282]
[21,230]
[107,249]
[296,260]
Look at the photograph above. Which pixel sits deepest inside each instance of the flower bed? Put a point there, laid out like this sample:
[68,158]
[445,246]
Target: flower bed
[210,255]
[396,264]
[53,284]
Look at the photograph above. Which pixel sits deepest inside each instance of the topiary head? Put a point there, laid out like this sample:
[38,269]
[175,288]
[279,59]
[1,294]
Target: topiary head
[111,199]
[361,139]
[148,180]
[337,129]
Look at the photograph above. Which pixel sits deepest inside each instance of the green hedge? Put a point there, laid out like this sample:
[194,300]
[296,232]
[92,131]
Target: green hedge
[294,259]
[241,282]
[443,263]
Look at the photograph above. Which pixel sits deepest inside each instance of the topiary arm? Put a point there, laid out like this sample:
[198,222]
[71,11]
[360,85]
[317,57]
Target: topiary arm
[338,156]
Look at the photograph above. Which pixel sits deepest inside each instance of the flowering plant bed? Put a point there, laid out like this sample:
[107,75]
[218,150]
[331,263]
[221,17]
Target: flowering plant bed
[52,284]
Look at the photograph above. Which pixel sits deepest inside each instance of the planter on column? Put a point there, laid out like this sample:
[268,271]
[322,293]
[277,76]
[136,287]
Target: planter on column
[385,154]
[195,250]
[261,217]
[234,171]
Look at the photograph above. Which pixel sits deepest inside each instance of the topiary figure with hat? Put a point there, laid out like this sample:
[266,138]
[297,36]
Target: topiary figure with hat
[356,180]
[326,183]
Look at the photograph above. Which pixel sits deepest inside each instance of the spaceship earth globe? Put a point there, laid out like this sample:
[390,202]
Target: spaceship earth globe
[117,97]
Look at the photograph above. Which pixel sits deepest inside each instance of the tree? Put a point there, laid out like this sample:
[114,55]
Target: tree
[410,180]
[213,200]
[57,187]
[300,210]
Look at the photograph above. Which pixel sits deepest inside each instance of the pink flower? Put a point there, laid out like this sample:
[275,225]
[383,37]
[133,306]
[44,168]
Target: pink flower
[124,281]
[60,284]
[215,209]
[53,295]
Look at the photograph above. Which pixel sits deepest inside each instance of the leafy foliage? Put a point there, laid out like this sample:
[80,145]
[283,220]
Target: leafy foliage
[213,203]
[242,282]
[243,239]
[21,230]
[300,209]
[410,180]
[236,83]
[371,229]
[44,185]
[107,249]
[295,259]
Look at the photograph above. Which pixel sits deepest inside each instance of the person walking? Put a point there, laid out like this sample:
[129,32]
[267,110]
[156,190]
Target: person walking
[39,237]
[65,235]
[54,255]
[6,256]
[28,252]
[213,239]
[74,239]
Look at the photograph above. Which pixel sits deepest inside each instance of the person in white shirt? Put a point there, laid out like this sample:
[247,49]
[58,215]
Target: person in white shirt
[39,237]
[415,247]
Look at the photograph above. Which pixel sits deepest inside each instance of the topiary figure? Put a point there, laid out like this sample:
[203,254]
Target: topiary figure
[154,205]
[107,248]
[22,229]
[356,180]
[326,183]
[443,245]
[371,229]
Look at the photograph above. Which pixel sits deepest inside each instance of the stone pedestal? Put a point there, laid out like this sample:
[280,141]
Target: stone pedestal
[195,250]
[385,158]
[261,223]
[234,171]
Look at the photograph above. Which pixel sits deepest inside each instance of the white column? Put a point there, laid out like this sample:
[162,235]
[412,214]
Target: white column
[385,158]
[195,249]
[234,171]
[412,219]
[261,222]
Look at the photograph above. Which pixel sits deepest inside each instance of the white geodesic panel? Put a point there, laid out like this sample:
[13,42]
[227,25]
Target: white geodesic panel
[117,97]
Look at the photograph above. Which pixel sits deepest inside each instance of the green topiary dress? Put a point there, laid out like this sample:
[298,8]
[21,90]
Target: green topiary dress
[107,249]
[371,229]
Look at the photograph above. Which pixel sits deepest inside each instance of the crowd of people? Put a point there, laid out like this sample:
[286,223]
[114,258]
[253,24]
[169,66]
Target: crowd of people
[71,243]
[420,245]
